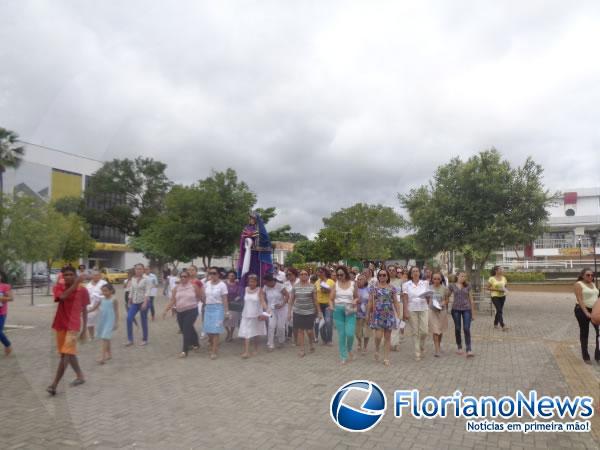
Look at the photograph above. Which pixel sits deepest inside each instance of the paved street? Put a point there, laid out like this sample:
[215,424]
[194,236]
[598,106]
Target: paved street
[147,398]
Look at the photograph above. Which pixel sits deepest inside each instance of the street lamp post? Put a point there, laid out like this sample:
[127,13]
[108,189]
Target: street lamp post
[594,238]
[580,251]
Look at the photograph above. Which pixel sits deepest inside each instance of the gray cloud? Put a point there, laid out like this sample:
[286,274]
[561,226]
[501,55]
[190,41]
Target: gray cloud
[317,105]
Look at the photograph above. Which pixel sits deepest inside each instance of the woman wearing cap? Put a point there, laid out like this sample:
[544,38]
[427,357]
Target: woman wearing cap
[216,308]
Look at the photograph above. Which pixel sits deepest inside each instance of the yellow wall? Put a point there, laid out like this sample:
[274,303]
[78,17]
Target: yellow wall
[65,184]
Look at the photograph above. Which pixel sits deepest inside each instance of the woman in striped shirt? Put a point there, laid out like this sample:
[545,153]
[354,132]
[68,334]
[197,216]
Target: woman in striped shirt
[304,309]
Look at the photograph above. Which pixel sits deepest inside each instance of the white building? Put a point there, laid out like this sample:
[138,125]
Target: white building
[567,242]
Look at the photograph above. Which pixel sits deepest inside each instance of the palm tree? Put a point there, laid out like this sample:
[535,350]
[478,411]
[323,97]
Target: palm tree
[11,154]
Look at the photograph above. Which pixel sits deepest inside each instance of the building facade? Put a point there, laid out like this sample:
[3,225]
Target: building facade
[568,240]
[50,175]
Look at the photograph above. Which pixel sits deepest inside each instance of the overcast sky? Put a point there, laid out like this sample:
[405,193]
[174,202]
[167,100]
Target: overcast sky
[317,105]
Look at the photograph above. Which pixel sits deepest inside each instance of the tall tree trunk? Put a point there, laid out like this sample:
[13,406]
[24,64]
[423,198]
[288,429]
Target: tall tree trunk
[469,269]
[204,263]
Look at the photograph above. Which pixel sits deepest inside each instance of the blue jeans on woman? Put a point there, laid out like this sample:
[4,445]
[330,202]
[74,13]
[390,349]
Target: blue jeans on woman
[131,313]
[345,325]
[3,337]
[466,317]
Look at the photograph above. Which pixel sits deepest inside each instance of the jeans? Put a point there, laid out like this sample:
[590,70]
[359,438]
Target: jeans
[499,305]
[466,317]
[3,337]
[186,320]
[151,306]
[345,325]
[131,313]
[277,326]
[420,328]
[328,323]
[584,331]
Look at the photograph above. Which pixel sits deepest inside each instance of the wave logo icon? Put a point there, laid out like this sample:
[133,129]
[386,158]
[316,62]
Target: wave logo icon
[358,406]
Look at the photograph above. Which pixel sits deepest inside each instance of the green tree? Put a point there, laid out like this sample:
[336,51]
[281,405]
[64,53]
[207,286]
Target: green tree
[477,206]
[26,235]
[11,154]
[404,248]
[360,232]
[203,220]
[266,214]
[70,204]
[285,234]
[127,194]
[293,259]
[307,249]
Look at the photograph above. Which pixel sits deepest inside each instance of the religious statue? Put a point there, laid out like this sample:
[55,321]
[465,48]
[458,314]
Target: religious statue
[256,252]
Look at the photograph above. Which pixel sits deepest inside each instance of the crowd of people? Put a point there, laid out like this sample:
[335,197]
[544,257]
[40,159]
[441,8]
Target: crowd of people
[302,307]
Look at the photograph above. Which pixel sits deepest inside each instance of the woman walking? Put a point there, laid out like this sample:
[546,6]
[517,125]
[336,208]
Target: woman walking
[363,330]
[108,318]
[497,286]
[462,310]
[185,297]
[323,285]
[343,301]
[236,304]
[438,311]
[6,296]
[94,288]
[586,294]
[253,320]
[384,312]
[216,309]
[292,279]
[415,295]
[304,309]
[397,332]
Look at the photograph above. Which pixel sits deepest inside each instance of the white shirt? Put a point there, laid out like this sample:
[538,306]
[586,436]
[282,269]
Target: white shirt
[280,276]
[215,292]
[153,282]
[416,295]
[95,292]
[288,285]
[274,295]
[344,296]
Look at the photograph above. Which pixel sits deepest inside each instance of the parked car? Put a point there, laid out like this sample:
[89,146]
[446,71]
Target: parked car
[114,276]
[40,278]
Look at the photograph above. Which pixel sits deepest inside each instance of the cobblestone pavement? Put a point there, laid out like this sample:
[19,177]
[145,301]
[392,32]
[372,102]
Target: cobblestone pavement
[147,398]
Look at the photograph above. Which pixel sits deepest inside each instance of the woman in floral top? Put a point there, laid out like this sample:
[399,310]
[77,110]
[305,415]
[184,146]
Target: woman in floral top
[383,313]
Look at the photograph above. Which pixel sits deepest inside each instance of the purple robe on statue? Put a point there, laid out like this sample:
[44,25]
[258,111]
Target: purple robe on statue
[261,253]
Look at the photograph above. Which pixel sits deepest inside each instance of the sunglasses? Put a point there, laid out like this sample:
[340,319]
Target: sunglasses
[589,275]
[212,273]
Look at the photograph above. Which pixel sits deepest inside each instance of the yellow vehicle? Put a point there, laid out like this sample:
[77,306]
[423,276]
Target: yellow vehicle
[114,276]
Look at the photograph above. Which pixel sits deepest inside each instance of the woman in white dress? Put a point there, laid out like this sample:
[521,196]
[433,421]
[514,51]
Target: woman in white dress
[94,288]
[253,321]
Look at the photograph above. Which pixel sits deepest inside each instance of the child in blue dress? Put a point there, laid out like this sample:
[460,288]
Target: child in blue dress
[107,320]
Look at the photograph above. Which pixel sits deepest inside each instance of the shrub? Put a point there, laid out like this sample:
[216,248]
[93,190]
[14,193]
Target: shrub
[524,276]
